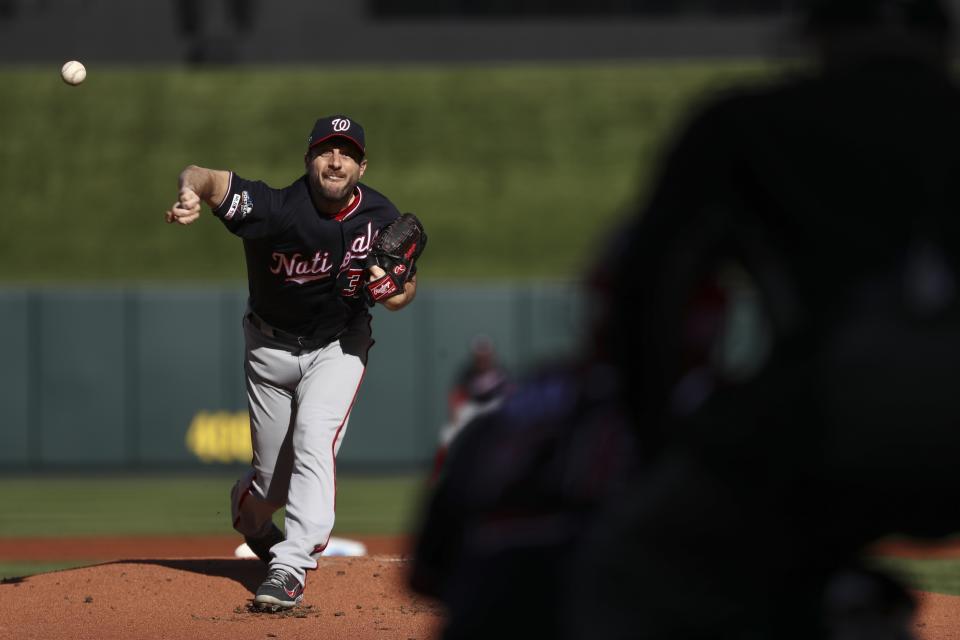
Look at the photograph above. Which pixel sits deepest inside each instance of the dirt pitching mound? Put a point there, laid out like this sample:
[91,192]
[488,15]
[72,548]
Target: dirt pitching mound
[938,617]
[345,598]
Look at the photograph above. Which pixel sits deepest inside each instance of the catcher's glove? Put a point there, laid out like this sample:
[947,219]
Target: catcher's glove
[395,251]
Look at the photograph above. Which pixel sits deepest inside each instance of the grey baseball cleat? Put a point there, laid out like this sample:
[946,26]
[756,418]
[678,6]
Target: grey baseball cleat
[281,590]
[262,545]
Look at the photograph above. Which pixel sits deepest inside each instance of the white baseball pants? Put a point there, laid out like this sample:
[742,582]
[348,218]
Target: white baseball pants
[300,403]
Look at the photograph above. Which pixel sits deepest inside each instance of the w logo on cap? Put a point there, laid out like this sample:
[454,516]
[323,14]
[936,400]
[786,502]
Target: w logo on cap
[334,125]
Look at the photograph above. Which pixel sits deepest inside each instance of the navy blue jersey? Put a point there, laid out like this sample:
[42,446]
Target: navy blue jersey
[305,268]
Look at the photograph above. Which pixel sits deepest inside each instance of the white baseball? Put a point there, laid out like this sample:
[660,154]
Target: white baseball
[73,72]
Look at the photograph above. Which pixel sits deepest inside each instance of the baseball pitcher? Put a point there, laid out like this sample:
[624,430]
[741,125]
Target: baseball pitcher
[319,253]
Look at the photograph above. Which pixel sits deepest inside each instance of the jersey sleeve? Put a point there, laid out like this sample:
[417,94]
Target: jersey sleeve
[250,207]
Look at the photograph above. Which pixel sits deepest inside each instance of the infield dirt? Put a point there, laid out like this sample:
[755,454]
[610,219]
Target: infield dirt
[364,597]
[158,592]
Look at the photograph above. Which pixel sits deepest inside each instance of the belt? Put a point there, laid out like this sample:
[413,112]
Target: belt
[304,342]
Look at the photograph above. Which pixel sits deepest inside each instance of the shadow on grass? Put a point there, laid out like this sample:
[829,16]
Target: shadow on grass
[249,573]
[12,571]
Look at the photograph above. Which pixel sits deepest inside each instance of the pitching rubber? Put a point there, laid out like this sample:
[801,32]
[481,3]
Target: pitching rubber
[337,547]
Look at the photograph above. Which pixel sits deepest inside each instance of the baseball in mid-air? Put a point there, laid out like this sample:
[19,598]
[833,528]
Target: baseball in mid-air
[73,72]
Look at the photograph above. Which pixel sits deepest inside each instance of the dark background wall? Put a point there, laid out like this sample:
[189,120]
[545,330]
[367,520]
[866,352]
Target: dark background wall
[245,31]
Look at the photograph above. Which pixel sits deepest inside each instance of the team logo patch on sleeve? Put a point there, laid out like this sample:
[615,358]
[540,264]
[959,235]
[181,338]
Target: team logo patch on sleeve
[233,207]
[246,204]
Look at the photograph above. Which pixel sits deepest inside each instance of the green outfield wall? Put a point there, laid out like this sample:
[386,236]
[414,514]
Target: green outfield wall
[152,377]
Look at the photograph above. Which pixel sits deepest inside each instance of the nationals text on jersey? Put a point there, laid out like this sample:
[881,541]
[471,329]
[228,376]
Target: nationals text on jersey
[299,270]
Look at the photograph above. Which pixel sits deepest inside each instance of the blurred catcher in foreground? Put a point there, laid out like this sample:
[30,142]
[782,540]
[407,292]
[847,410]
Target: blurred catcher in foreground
[737,491]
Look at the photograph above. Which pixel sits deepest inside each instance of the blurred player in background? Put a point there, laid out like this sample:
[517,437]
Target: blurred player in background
[480,386]
[663,489]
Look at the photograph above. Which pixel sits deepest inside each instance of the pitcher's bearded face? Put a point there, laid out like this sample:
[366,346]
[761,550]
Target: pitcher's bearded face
[334,168]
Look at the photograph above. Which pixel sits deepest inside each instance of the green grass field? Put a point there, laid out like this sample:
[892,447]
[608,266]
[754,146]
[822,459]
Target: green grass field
[155,505]
[936,575]
[41,507]
[516,171]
